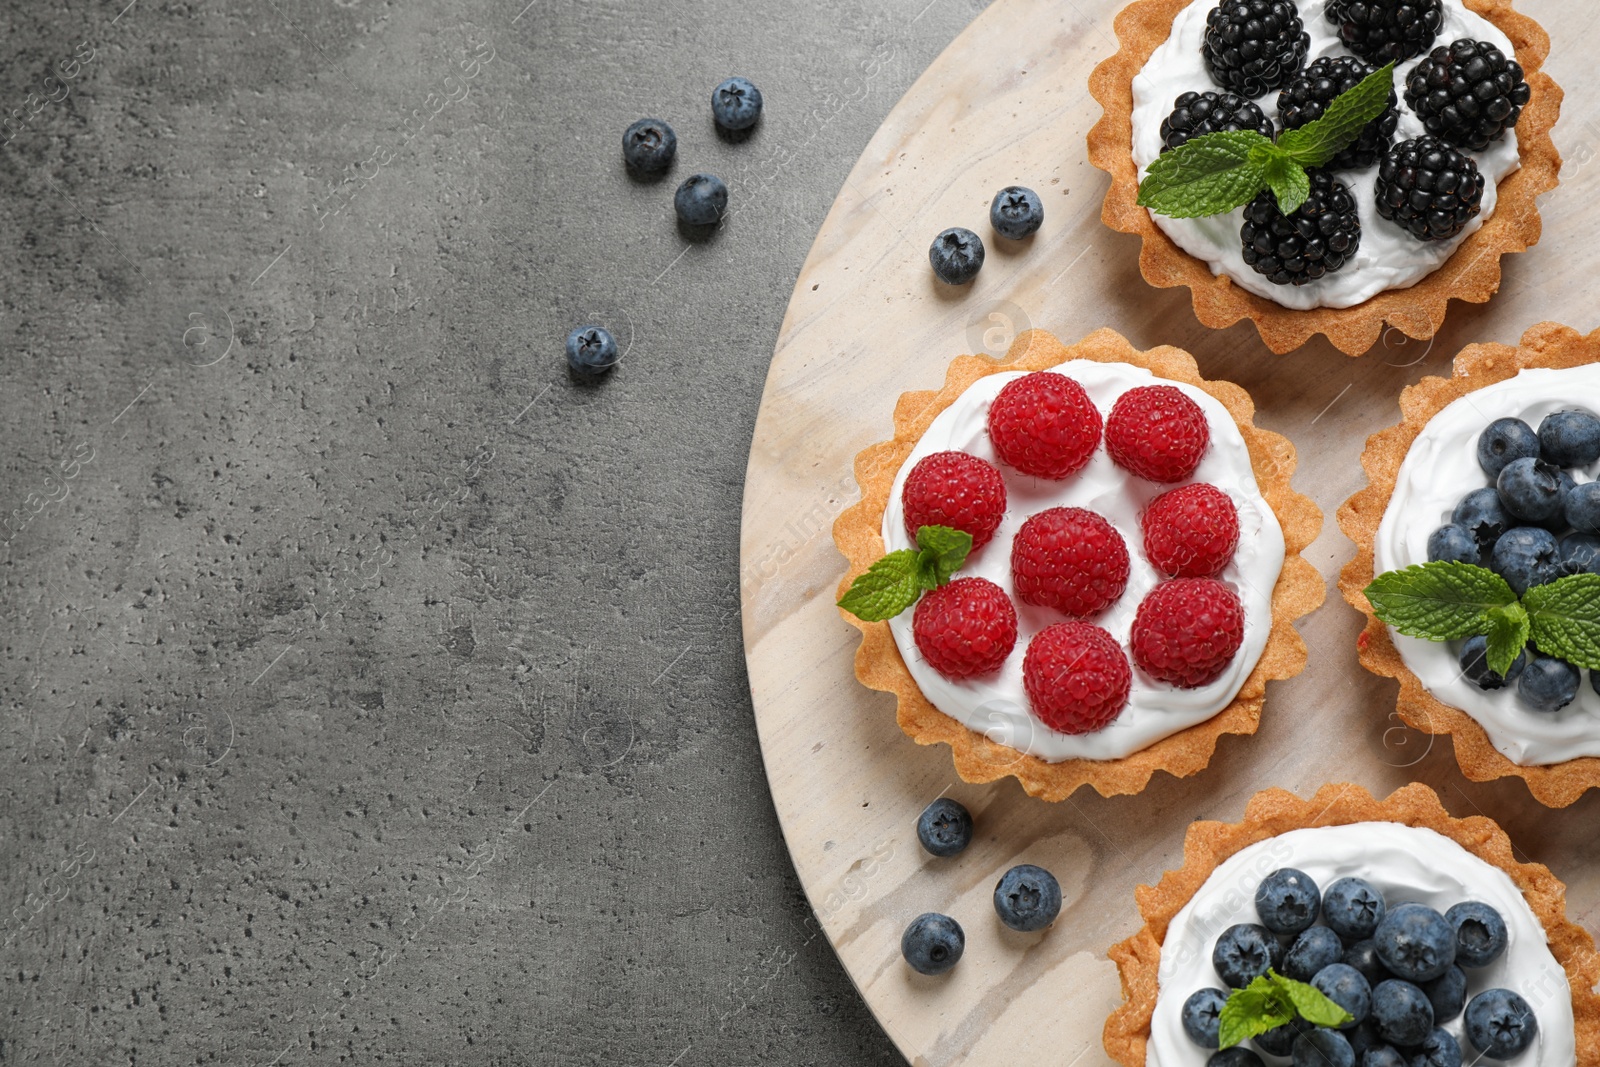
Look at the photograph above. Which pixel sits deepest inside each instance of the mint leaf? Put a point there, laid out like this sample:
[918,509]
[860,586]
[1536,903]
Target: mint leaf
[944,550]
[1564,619]
[1253,1010]
[1288,180]
[889,587]
[1310,1003]
[1206,176]
[1440,601]
[1315,143]
[1509,630]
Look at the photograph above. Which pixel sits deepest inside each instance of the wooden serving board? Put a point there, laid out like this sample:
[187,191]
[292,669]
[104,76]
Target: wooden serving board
[1008,103]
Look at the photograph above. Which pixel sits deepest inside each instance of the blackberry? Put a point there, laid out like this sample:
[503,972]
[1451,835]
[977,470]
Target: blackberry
[1468,93]
[1197,114]
[1313,89]
[1316,240]
[1253,47]
[1385,30]
[1428,188]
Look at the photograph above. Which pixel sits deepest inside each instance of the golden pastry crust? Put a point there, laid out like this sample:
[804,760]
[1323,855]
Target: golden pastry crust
[1545,345]
[1472,273]
[858,533]
[1273,812]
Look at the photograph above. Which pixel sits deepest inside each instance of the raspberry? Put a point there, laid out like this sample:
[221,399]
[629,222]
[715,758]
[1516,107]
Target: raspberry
[1045,425]
[1077,677]
[1069,559]
[965,628]
[1187,631]
[956,490]
[1157,432]
[1191,532]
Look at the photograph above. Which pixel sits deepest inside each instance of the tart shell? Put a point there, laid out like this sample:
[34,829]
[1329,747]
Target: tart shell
[1472,273]
[1274,812]
[1546,345]
[858,534]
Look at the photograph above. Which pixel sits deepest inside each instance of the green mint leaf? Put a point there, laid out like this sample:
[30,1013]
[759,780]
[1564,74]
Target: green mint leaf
[889,587]
[1310,1002]
[1564,618]
[1253,1010]
[1509,630]
[1315,143]
[1440,601]
[943,551]
[1206,176]
[1288,180]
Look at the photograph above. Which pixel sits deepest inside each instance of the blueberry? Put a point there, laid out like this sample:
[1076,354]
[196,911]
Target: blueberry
[1557,523]
[1202,1016]
[1475,665]
[1322,1047]
[1343,984]
[1484,516]
[701,200]
[1500,1023]
[1288,901]
[1364,1036]
[1279,1041]
[1438,1049]
[1525,557]
[1580,553]
[1402,1012]
[933,943]
[1481,933]
[591,351]
[1448,992]
[1570,438]
[956,255]
[1506,440]
[1027,898]
[1309,953]
[1581,507]
[1383,1056]
[1548,684]
[1530,489]
[736,104]
[650,146]
[1353,908]
[1237,1056]
[1415,942]
[1016,212]
[944,827]
[1454,543]
[1244,953]
[1363,956]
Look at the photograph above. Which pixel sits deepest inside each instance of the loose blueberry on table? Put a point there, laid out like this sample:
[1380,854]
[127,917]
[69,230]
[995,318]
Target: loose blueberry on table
[1373,984]
[1027,898]
[649,146]
[591,351]
[701,200]
[736,104]
[956,256]
[945,827]
[933,943]
[1016,212]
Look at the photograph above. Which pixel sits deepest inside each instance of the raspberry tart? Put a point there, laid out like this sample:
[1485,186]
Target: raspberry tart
[1492,475]
[1343,929]
[1394,218]
[1113,576]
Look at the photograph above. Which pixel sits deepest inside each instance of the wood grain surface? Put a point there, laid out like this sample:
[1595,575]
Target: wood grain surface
[1008,103]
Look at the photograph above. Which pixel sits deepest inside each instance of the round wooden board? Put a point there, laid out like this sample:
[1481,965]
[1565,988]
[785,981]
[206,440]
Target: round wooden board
[1008,103]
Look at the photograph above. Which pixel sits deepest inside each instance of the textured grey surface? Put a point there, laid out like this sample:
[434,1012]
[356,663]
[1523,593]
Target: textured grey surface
[372,692]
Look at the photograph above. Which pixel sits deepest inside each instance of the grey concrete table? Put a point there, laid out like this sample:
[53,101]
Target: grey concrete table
[373,692]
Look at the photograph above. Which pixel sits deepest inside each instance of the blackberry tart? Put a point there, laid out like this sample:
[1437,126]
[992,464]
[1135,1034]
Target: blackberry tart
[1444,178]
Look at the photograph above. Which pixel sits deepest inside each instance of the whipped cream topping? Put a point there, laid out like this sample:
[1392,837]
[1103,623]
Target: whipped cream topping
[1389,257]
[1404,863]
[1440,469]
[996,705]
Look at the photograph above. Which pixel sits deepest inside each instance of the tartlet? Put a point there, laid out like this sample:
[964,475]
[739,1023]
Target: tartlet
[1547,345]
[979,758]
[1275,812]
[1472,273]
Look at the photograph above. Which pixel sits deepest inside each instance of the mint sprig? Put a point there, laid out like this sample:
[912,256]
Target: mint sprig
[896,581]
[1218,172]
[1448,601]
[1271,1001]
